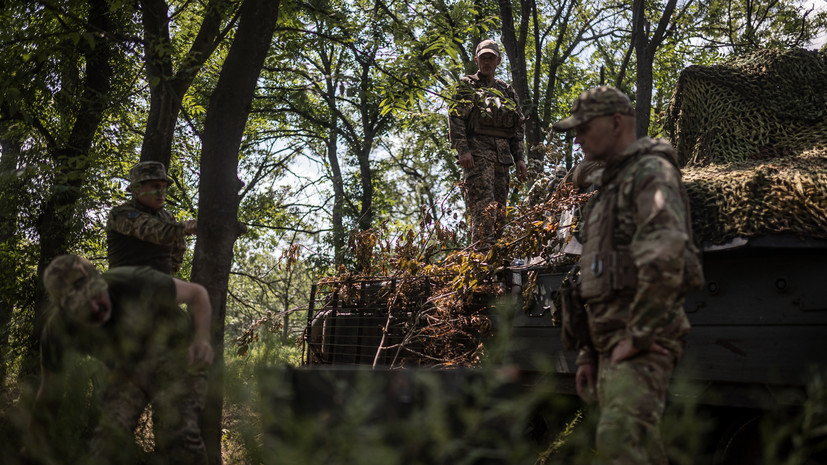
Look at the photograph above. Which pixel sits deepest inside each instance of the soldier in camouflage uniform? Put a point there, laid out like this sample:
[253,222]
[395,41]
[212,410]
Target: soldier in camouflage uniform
[638,262]
[486,129]
[129,319]
[141,232]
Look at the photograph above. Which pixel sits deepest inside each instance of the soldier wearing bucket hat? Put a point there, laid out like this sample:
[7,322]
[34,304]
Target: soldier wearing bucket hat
[141,231]
[638,262]
[128,318]
[486,130]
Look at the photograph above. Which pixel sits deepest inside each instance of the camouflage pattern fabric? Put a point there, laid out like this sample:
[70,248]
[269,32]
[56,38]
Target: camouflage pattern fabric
[485,120]
[144,345]
[485,187]
[633,285]
[632,396]
[140,236]
[148,171]
[597,101]
[177,404]
[495,100]
[650,224]
[71,281]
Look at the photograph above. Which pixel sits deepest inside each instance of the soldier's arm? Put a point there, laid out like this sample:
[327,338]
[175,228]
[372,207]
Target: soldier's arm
[179,248]
[146,227]
[459,110]
[198,302]
[657,249]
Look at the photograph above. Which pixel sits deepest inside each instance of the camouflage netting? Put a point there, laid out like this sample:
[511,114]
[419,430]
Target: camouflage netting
[751,135]
[756,198]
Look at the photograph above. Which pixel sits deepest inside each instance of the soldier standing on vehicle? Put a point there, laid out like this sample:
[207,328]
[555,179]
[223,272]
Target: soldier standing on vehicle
[486,129]
[140,232]
[129,319]
[638,262]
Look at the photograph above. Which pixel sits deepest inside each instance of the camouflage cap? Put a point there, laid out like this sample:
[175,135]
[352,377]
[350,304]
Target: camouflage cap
[72,281]
[597,101]
[487,46]
[148,171]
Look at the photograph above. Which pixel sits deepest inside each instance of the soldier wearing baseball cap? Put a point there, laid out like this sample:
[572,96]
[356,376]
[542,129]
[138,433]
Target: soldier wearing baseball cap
[597,101]
[129,319]
[140,231]
[638,262]
[487,46]
[486,130]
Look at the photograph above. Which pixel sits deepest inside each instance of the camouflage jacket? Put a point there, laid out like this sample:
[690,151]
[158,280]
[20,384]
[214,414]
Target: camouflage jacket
[140,236]
[485,119]
[633,280]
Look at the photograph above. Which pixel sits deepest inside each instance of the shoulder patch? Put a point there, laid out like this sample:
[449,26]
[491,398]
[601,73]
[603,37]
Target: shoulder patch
[133,214]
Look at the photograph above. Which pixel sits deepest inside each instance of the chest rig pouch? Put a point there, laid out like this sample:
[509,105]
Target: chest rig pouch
[607,267]
[494,114]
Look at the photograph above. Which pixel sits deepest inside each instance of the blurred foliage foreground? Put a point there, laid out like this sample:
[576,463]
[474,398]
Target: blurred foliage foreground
[278,414]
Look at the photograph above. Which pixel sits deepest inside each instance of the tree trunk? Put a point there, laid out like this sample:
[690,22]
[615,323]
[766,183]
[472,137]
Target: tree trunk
[166,90]
[515,48]
[9,204]
[366,176]
[338,194]
[72,160]
[218,226]
[645,49]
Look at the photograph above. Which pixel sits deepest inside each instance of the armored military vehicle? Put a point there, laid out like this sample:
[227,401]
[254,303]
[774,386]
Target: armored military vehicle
[751,136]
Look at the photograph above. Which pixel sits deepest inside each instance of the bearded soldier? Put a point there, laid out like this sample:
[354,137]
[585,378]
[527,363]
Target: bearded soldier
[141,232]
[486,130]
[638,261]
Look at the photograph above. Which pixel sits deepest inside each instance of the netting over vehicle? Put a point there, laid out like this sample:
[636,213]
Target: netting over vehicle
[751,135]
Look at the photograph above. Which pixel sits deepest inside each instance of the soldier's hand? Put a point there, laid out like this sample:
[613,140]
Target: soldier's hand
[190,227]
[585,382]
[625,350]
[466,160]
[522,172]
[200,354]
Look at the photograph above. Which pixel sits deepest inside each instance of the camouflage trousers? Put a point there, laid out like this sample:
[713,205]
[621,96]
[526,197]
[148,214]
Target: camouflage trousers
[632,396]
[177,398]
[485,187]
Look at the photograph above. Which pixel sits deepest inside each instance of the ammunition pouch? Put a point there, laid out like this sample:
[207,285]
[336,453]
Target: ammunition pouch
[575,320]
[494,115]
[607,275]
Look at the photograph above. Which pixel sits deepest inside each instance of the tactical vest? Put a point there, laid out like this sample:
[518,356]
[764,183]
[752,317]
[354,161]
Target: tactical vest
[607,267]
[126,250]
[495,113]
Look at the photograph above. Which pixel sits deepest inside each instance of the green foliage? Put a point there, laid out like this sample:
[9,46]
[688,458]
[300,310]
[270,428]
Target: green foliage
[745,26]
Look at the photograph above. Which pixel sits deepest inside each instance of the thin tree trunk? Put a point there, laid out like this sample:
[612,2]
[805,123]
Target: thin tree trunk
[167,88]
[516,49]
[72,160]
[366,177]
[645,48]
[9,204]
[338,195]
[218,225]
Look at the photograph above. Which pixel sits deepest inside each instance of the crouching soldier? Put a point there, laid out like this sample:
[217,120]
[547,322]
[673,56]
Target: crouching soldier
[129,319]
